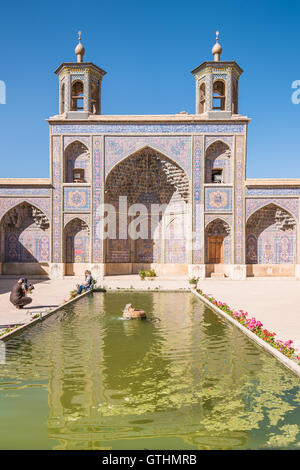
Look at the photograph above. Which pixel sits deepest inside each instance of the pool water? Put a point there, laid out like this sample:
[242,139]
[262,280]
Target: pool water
[182,379]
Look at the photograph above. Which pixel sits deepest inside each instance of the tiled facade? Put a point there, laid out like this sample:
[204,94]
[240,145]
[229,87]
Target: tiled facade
[149,159]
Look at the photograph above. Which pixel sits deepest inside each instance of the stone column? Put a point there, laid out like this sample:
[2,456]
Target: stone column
[238,269]
[56,266]
[68,89]
[297,265]
[228,92]
[209,92]
[198,267]
[197,97]
[97,265]
[87,93]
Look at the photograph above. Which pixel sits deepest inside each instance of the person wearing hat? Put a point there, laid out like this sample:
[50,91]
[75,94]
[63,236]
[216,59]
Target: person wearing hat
[18,295]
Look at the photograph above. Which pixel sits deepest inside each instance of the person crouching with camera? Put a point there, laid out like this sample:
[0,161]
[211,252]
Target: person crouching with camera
[18,295]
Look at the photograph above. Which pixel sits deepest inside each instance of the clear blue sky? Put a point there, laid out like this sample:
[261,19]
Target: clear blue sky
[148,49]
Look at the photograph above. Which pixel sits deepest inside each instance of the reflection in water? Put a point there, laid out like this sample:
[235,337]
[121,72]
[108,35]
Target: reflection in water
[87,379]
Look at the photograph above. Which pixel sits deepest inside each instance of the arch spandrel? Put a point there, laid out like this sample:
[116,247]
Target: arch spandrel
[68,140]
[290,205]
[227,140]
[177,149]
[43,204]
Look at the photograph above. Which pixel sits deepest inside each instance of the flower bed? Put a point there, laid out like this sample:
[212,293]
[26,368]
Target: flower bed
[9,329]
[285,347]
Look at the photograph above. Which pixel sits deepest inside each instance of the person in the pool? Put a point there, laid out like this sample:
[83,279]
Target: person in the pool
[18,295]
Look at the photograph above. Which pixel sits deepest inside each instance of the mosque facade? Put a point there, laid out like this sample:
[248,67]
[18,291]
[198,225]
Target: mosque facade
[167,192]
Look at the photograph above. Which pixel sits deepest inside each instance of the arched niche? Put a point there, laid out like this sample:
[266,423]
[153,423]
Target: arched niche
[219,95]
[218,163]
[76,242]
[217,242]
[77,162]
[147,178]
[77,96]
[271,236]
[25,239]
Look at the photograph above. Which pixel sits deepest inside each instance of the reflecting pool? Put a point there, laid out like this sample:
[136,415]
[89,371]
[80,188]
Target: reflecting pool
[183,379]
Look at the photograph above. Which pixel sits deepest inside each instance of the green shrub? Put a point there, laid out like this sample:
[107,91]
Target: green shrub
[194,280]
[151,273]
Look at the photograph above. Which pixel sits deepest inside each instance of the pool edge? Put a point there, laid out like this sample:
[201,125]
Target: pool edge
[42,317]
[291,365]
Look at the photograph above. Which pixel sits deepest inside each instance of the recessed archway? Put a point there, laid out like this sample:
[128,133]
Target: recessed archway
[218,163]
[76,247]
[77,166]
[156,191]
[25,240]
[217,242]
[271,236]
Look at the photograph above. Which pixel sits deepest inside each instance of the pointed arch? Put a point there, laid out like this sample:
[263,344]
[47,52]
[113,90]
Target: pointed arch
[226,140]
[218,162]
[76,247]
[12,204]
[77,160]
[171,168]
[147,178]
[261,204]
[76,216]
[25,234]
[219,94]
[77,95]
[217,242]
[145,147]
[271,236]
[218,218]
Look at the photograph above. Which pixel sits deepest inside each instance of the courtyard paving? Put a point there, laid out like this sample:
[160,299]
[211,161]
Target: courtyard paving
[275,302]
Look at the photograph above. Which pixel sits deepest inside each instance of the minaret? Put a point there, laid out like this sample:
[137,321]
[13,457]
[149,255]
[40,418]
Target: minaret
[217,86]
[79,86]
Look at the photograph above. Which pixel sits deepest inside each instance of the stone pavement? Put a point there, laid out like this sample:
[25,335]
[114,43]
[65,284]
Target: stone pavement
[47,294]
[275,302]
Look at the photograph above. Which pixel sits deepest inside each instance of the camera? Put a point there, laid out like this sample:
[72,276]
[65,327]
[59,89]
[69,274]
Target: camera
[27,286]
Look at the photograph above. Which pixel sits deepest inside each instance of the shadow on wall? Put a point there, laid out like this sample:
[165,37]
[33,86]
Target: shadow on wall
[25,245]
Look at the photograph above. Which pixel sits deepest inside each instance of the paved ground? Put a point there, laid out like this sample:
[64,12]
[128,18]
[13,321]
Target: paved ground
[46,294]
[49,294]
[275,302]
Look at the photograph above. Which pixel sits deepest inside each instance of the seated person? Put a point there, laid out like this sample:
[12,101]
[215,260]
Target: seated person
[88,283]
[18,295]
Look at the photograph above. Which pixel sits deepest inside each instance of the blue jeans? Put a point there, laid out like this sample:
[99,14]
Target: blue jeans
[82,287]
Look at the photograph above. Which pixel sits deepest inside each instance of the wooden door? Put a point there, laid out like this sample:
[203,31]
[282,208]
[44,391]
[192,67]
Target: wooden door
[215,249]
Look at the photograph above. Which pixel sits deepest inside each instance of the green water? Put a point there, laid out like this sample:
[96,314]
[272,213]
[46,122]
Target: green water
[86,379]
